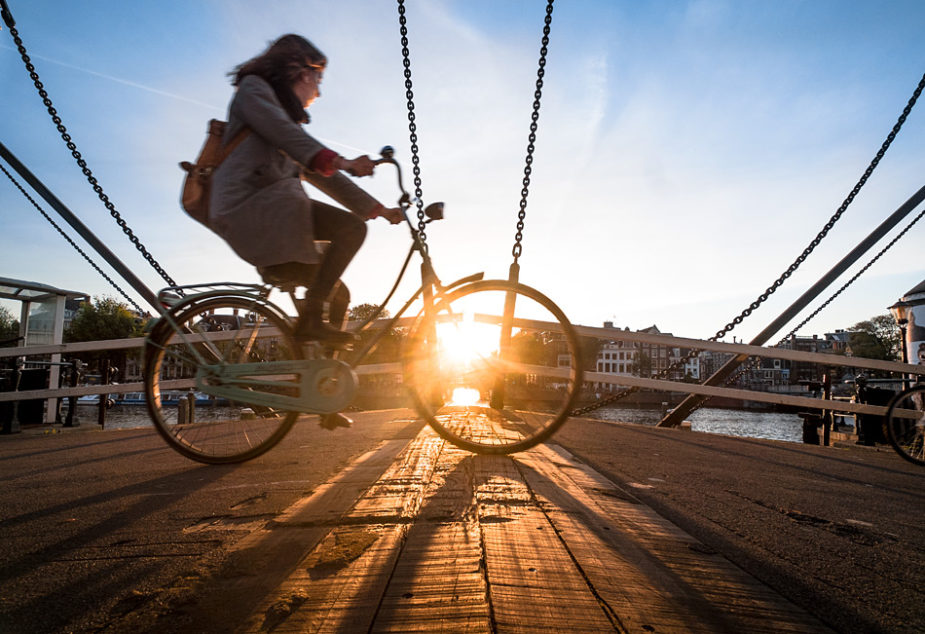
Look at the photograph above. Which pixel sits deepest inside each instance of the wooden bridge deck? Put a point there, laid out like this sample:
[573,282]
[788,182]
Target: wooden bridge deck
[408,535]
[447,541]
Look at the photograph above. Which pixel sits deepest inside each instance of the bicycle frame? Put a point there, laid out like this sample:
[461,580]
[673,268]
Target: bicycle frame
[243,381]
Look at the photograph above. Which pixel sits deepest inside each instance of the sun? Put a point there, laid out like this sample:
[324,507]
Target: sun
[464,342]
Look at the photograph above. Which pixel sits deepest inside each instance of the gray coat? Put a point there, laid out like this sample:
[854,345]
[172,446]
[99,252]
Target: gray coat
[258,204]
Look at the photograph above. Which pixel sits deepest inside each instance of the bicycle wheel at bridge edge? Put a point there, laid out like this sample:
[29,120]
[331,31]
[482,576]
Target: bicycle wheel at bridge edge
[219,330]
[907,434]
[455,368]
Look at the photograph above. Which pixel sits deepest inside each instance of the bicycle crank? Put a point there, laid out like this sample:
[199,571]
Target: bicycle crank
[316,386]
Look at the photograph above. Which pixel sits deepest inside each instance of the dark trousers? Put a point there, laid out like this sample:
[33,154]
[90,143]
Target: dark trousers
[346,232]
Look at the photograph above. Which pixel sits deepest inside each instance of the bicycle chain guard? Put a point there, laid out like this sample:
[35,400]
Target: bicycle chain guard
[317,386]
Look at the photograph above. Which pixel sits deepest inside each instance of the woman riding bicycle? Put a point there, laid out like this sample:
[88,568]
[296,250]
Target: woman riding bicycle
[258,204]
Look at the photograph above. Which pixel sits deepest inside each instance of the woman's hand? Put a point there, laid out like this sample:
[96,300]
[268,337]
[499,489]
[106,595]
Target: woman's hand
[394,215]
[360,166]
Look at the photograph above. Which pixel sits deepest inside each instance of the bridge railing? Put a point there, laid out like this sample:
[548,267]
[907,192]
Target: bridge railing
[533,325]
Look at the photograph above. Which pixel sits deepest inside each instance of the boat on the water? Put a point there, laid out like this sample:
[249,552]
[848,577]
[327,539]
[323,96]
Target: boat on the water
[138,398]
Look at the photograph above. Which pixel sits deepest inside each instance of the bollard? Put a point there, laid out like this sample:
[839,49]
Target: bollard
[104,379]
[191,407]
[72,401]
[811,421]
[183,411]
[827,415]
[9,415]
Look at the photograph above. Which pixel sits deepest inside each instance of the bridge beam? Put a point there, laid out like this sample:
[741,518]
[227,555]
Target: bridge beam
[675,417]
[69,217]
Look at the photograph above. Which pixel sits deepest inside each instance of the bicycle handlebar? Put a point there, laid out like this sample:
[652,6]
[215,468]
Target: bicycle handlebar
[433,211]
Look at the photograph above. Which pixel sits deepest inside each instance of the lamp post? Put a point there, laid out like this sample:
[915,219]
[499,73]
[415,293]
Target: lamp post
[898,310]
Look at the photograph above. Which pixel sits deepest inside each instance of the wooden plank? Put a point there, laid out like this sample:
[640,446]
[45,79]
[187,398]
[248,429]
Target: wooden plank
[710,390]
[438,583]
[261,561]
[338,586]
[649,572]
[671,341]
[534,586]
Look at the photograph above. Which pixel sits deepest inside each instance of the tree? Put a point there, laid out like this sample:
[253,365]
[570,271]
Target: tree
[9,327]
[388,349]
[362,312]
[589,348]
[642,365]
[875,338]
[104,318]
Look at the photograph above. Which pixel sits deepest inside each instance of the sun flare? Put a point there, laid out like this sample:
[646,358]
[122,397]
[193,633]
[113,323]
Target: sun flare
[465,396]
[465,342]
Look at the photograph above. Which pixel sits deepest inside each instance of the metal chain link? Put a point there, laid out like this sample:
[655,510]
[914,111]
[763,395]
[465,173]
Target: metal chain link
[531,139]
[71,242]
[412,126]
[835,217]
[80,161]
[791,269]
[853,279]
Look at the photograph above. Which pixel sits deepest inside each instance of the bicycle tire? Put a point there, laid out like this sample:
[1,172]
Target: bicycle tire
[218,329]
[907,435]
[540,374]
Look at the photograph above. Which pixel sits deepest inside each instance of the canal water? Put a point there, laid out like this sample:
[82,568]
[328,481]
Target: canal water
[730,422]
[744,423]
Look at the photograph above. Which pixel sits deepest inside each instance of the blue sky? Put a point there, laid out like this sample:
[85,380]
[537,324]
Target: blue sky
[687,151]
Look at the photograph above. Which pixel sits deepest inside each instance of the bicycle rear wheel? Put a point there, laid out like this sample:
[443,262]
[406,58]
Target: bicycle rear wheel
[222,330]
[905,423]
[486,392]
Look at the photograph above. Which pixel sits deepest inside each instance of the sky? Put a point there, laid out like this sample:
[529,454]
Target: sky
[687,151]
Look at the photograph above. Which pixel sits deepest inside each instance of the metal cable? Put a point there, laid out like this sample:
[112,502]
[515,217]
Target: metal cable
[77,156]
[71,242]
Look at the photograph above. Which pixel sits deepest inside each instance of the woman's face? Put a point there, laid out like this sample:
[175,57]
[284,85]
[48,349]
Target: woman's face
[308,86]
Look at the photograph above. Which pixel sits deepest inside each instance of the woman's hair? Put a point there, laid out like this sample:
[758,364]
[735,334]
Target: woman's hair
[280,65]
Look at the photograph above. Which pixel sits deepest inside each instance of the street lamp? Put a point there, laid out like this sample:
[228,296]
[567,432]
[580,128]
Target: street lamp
[898,310]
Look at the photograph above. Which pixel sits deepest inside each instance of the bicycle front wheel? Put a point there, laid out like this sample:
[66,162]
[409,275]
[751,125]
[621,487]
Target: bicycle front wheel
[214,332]
[491,380]
[905,423]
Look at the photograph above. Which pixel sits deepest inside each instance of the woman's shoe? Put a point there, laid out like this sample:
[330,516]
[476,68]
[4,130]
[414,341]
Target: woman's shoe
[311,327]
[335,420]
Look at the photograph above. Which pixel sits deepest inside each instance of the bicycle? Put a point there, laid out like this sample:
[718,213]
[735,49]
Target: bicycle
[905,423]
[458,353]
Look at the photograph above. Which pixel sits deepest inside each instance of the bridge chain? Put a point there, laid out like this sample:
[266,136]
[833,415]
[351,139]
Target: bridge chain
[71,242]
[793,267]
[853,279]
[412,125]
[77,156]
[531,138]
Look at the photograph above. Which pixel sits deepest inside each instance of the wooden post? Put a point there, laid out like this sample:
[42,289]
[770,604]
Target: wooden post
[191,406]
[104,398]
[183,410]
[827,416]
[504,345]
[72,401]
